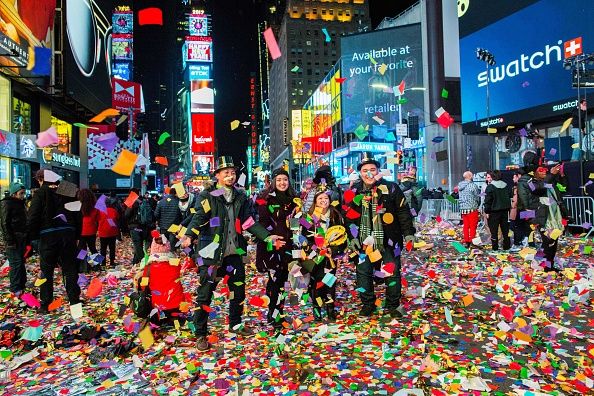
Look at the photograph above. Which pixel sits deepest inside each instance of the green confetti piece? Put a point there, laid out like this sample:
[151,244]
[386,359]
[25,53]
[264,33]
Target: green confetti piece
[240,251]
[357,199]
[191,326]
[295,69]
[450,198]
[459,247]
[190,367]
[163,137]
[561,187]
[444,93]
[587,249]
[360,132]
[373,60]
[402,101]
[305,297]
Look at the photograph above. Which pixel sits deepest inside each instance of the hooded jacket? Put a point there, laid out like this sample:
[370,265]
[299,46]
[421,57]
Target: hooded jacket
[390,200]
[47,213]
[530,190]
[13,220]
[409,189]
[497,197]
[469,195]
[168,213]
[201,222]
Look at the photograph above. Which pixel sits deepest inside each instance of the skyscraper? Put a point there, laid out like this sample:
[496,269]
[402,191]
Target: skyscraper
[308,40]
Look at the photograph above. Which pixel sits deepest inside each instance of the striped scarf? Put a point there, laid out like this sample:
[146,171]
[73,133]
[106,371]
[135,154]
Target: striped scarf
[370,221]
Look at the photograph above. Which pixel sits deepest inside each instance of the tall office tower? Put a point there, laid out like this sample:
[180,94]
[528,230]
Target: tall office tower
[309,42]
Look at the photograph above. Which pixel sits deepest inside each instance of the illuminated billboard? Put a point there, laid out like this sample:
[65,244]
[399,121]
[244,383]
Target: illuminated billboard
[202,165]
[374,65]
[198,25]
[23,27]
[122,22]
[203,128]
[122,70]
[121,46]
[202,96]
[198,51]
[528,81]
[198,71]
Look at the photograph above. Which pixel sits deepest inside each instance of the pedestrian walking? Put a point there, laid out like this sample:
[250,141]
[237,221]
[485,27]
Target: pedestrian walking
[109,232]
[378,210]
[222,212]
[140,219]
[167,214]
[469,204]
[497,206]
[13,226]
[276,207]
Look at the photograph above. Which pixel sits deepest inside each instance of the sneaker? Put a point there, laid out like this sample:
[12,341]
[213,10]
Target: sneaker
[243,331]
[395,313]
[367,311]
[515,249]
[202,344]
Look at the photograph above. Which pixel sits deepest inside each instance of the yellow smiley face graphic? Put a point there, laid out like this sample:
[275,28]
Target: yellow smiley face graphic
[463,7]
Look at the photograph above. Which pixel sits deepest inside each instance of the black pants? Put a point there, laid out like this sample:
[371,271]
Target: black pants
[232,266]
[18,273]
[325,293]
[59,247]
[87,243]
[172,238]
[523,229]
[275,288]
[111,243]
[141,239]
[549,247]
[365,277]
[499,220]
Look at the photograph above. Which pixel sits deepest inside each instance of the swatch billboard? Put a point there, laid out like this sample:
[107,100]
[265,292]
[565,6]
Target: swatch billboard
[527,39]
[374,65]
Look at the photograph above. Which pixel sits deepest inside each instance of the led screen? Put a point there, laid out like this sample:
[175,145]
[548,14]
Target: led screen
[203,133]
[198,25]
[198,51]
[202,96]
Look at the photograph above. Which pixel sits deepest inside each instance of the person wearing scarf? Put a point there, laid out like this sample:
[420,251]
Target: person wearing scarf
[379,220]
[276,207]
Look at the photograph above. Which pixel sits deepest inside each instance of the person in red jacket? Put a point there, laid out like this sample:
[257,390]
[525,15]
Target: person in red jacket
[109,231]
[164,279]
[90,223]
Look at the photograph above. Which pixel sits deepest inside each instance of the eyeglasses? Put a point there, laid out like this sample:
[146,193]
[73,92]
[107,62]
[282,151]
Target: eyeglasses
[87,28]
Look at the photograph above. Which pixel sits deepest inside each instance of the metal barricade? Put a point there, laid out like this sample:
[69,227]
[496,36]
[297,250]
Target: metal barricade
[432,207]
[581,212]
[450,210]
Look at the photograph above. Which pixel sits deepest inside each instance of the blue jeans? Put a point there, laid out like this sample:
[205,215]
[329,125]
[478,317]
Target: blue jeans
[365,279]
[18,273]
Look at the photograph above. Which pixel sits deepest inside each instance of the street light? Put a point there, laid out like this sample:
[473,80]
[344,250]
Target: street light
[489,59]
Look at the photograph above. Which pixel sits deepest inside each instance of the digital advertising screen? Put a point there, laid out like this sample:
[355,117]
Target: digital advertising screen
[123,22]
[87,52]
[23,25]
[202,165]
[198,71]
[122,46]
[528,81]
[374,65]
[198,25]
[203,129]
[198,51]
[122,70]
[202,96]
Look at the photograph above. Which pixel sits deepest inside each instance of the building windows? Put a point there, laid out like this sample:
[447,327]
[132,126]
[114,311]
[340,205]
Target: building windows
[21,117]
[4,104]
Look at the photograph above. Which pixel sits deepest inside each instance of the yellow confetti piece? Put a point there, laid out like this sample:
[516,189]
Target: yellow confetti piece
[388,218]
[107,384]
[195,231]
[144,281]
[234,124]
[375,256]
[174,262]
[566,124]
[447,295]
[319,301]
[146,337]
[522,336]
[382,69]
[556,233]
[492,130]
[40,282]
[174,228]
[192,210]
[205,205]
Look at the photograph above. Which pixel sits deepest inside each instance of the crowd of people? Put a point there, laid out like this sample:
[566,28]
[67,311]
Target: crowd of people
[301,238]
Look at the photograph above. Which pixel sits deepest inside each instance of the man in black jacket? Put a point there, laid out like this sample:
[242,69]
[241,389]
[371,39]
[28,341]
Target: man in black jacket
[167,214]
[221,213]
[380,221]
[140,219]
[58,230]
[13,224]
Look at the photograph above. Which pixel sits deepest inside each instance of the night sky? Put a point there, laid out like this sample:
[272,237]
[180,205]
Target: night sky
[236,55]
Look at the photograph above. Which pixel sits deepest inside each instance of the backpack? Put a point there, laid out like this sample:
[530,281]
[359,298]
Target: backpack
[145,213]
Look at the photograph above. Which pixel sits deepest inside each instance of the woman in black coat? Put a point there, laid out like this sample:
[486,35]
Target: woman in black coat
[276,207]
[327,236]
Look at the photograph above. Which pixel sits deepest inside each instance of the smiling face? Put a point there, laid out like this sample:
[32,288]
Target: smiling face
[226,177]
[368,173]
[322,202]
[281,183]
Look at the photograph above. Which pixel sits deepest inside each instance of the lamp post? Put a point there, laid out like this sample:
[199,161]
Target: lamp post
[489,59]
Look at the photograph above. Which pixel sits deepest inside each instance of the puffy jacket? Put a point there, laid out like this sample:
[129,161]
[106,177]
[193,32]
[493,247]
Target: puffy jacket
[530,190]
[105,229]
[391,200]
[166,289]
[13,221]
[90,223]
[497,197]
[168,213]
[47,213]
[469,195]
[243,210]
[409,188]
[277,222]
[318,231]
[528,199]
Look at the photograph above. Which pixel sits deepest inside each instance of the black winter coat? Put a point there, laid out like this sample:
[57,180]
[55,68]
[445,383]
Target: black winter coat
[497,197]
[392,201]
[309,235]
[13,221]
[47,213]
[243,210]
[276,222]
[529,199]
[168,213]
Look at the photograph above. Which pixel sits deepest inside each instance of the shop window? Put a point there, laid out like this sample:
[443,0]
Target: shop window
[21,117]
[4,104]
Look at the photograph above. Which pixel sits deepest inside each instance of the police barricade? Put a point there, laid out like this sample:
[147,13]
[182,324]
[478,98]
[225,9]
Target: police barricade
[432,207]
[450,211]
[580,210]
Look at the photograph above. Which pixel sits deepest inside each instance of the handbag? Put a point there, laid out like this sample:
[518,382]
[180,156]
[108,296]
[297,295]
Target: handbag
[140,300]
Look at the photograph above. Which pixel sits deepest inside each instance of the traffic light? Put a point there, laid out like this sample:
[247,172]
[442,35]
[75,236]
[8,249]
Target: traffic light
[413,127]
[286,139]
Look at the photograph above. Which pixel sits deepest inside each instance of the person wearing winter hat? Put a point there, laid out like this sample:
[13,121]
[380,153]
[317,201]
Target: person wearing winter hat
[497,206]
[324,181]
[13,225]
[161,273]
[276,207]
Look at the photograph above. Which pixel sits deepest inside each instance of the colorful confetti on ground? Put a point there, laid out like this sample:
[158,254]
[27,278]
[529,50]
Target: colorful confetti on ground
[476,324]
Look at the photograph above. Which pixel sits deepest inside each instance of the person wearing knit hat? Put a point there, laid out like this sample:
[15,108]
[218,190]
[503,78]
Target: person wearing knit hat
[13,227]
[324,181]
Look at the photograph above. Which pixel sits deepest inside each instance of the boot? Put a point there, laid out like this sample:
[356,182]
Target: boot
[331,312]
[494,244]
